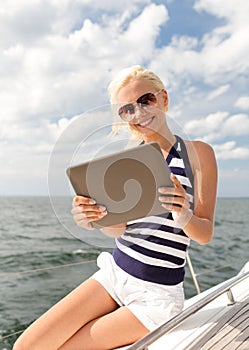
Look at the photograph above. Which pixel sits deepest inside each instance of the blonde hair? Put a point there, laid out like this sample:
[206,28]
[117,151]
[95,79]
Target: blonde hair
[121,80]
[131,73]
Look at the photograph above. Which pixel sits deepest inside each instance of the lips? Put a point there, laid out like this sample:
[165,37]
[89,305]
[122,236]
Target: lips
[145,123]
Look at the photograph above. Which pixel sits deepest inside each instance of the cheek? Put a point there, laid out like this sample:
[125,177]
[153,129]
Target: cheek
[161,117]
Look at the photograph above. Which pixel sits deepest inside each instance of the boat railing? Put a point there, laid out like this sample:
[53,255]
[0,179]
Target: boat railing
[192,273]
[150,338]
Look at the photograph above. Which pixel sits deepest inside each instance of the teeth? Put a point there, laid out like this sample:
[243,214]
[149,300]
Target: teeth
[147,122]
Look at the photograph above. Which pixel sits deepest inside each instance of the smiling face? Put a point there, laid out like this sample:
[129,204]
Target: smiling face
[147,112]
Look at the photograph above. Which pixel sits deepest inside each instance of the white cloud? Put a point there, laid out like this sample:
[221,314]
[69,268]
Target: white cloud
[220,56]
[57,75]
[226,47]
[237,124]
[60,69]
[58,56]
[216,128]
[236,15]
[229,150]
[142,31]
[242,102]
[208,125]
[24,22]
[217,92]
[219,125]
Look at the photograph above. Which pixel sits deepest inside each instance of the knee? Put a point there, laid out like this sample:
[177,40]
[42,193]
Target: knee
[18,345]
[22,344]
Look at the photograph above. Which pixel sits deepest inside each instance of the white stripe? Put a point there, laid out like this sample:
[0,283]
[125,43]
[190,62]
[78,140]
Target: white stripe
[155,219]
[146,259]
[155,247]
[184,180]
[177,162]
[160,234]
[190,197]
[178,147]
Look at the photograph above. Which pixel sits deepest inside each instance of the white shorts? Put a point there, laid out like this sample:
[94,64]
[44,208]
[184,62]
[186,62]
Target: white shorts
[152,303]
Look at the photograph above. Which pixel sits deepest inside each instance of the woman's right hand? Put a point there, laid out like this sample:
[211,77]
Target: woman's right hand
[85,211]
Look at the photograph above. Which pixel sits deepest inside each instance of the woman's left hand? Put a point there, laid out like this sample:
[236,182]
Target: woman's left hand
[176,200]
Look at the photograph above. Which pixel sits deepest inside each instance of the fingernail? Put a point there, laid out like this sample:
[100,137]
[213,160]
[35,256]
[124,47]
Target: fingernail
[92,201]
[102,208]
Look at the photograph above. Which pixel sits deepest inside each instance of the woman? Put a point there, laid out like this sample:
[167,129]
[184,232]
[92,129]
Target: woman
[140,286]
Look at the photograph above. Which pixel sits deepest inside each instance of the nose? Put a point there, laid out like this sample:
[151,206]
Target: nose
[139,110]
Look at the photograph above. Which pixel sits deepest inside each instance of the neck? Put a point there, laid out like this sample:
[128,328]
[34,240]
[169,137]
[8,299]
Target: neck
[165,140]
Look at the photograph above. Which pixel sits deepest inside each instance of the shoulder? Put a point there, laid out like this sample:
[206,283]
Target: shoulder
[200,154]
[200,147]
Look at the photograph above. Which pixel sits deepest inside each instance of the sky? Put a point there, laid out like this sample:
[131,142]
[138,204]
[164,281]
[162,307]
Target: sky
[58,56]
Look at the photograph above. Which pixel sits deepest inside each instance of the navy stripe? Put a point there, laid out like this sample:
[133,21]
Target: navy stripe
[155,274]
[152,253]
[166,216]
[178,171]
[158,240]
[173,154]
[185,157]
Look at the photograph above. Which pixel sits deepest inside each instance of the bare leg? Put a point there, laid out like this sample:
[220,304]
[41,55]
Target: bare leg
[116,329]
[87,302]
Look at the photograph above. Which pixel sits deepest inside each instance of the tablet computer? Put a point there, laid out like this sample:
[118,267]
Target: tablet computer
[126,183]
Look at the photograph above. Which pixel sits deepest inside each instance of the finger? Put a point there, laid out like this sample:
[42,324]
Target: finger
[78,200]
[171,191]
[88,208]
[168,194]
[88,212]
[175,181]
[90,216]
[175,201]
[166,190]
[86,223]
[171,208]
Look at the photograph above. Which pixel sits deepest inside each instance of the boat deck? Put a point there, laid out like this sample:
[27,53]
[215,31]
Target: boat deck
[230,333]
[216,319]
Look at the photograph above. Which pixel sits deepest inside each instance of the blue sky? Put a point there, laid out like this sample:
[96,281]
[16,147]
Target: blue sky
[57,58]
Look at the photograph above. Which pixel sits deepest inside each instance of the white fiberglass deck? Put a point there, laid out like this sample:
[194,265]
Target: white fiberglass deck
[217,325]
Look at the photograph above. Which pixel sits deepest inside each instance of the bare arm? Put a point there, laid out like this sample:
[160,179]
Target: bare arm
[198,226]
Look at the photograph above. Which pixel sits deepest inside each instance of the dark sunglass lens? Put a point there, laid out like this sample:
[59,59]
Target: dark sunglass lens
[127,109]
[147,99]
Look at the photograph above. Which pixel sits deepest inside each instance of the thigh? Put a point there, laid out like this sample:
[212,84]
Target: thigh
[116,329]
[84,304]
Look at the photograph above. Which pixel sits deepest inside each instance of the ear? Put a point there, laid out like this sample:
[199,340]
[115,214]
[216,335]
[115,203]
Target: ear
[166,100]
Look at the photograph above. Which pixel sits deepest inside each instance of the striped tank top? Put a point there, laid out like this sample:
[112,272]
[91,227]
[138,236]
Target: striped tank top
[154,248]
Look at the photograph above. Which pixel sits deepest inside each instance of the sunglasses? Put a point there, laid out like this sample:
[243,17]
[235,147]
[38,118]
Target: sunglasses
[127,112]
